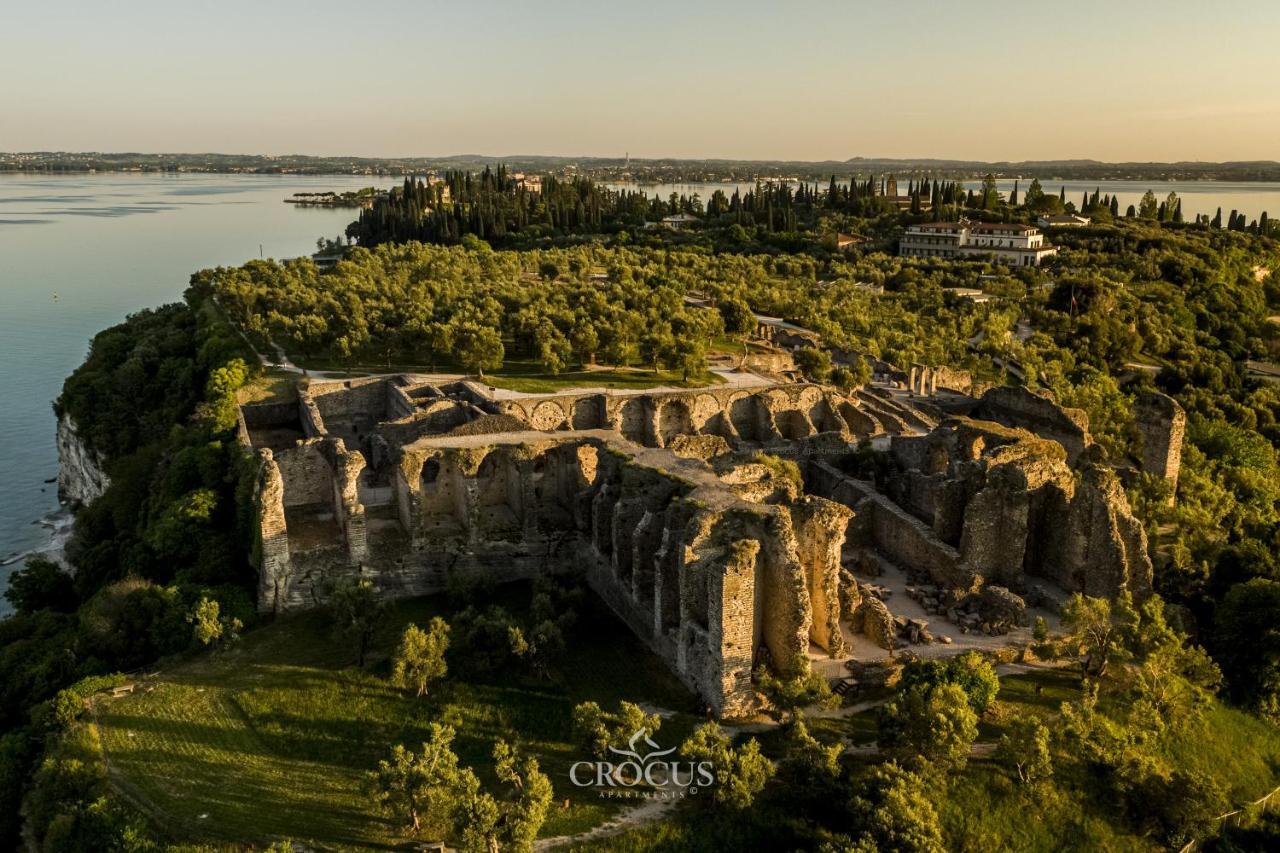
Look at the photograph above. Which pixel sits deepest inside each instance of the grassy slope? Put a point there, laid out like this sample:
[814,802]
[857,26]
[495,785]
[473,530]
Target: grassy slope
[986,810]
[272,739]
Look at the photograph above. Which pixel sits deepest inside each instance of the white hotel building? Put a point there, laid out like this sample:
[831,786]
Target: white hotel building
[1010,243]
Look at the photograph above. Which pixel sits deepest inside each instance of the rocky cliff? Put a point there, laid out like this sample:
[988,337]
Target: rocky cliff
[80,475]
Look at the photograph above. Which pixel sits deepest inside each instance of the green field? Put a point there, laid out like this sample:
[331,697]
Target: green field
[528,376]
[272,738]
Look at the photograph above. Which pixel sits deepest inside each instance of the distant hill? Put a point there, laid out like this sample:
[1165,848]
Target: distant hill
[650,170]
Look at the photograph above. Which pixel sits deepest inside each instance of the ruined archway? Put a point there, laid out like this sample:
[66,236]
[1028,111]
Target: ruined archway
[586,413]
[633,421]
[744,414]
[499,503]
[674,419]
[860,423]
[547,416]
[793,424]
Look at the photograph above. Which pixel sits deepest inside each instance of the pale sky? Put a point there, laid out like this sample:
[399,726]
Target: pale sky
[985,80]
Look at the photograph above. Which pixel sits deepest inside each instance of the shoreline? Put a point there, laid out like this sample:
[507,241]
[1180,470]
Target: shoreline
[59,524]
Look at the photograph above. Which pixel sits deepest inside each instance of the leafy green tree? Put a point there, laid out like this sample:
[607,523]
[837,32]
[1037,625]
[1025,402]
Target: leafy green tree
[478,348]
[420,786]
[741,772]
[1246,642]
[813,362]
[1093,634]
[896,808]
[596,729]
[356,611]
[1034,199]
[41,584]
[1025,748]
[990,195]
[539,647]
[739,319]
[209,627]
[419,659]
[790,694]
[485,822]
[970,671]
[1148,207]
[932,727]
[809,772]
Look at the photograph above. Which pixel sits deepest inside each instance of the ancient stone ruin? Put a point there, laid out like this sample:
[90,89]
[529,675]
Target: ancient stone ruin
[728,528]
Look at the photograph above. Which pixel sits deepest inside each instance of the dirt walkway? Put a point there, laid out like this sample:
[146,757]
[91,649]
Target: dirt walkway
[647,812]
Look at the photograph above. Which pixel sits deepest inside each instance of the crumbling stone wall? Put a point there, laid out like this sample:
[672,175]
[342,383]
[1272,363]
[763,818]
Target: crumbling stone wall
[1162,425]
[657,419]
[1016,406]
[975,502]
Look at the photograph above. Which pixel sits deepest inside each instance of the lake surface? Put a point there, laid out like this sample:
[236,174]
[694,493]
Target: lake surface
[1205,197]
[80,252]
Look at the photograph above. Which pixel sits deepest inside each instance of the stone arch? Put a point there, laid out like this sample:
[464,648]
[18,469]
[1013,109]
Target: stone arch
[547,416]
[429,479]
[860,423]
[744,414]
[823,417]
[705,408]
[938,461]
[809,396]
[674,419]
[793,424]
[586,413]
[633,420]
[499,502]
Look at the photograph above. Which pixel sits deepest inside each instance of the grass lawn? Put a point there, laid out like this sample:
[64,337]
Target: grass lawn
[272,739]
[527,376]
[273,386]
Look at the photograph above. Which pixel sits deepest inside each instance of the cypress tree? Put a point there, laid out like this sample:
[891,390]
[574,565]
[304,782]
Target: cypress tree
[1013,196]
[1217,219]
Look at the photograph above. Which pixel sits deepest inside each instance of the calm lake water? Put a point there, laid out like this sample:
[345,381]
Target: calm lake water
[80,252]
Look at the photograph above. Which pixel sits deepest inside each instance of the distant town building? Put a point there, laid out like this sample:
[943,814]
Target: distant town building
[973,294]
[1007,242]
[679,220]
[530,183]
[888,190]
[1063,220]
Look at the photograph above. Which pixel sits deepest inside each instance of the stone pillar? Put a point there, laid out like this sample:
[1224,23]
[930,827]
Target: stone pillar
[820,527]
[273,570]
[731,614]
[1162,423]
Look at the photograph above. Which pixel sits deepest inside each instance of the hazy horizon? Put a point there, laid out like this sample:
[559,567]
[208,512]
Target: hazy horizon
[1140,82]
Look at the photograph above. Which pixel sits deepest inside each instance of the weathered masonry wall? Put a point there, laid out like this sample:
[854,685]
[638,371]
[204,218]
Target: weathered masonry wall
[1162,424]
[775,414]
[712,583]
[976,503]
